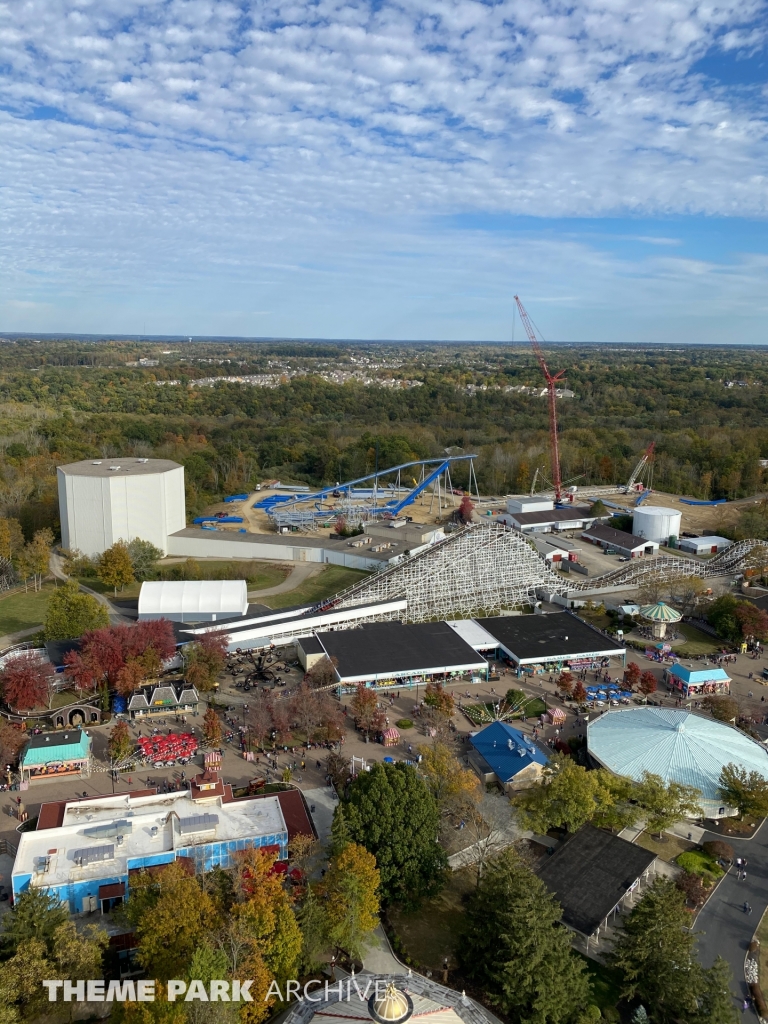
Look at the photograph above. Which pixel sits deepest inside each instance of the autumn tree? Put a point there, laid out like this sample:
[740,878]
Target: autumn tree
[565,682]
[34,559]
[446,779]
[337,767]
[721,707]
[579,692]
[746,791]
[437,697]
[115,567]
[120,745]
[11,539]
[171,916]
[12,739]
[365,708]
[351,893]
[211,729]
[70,613]
[264,915]
[26,681]
[648,683]
[753,621]
[259,720]
[632,675]
[204,659]
[466,508]
[120,656]
[323,673]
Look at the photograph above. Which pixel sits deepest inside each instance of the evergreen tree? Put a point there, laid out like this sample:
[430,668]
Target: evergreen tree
[515,950]
[391,812]
[655,954]
[36,914]
[716,1002]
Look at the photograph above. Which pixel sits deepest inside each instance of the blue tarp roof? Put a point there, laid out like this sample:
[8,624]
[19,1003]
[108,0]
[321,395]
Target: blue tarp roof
[506,751]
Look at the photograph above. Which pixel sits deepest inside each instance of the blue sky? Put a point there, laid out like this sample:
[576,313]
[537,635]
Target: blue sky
[385,170]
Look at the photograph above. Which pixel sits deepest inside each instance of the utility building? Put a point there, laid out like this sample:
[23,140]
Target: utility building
[106,500]
[193,600]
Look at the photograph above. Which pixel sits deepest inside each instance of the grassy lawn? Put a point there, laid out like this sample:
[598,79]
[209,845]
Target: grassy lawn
[431,933]
[605,982]
[329,581]
[668,848]
[22,611]
[132,590]
[696,642]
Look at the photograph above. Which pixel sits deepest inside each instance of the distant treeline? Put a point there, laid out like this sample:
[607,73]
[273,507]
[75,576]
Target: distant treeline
[64,401]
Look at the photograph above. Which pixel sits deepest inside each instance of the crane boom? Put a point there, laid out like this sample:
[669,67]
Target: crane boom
[645,458]
[551,396]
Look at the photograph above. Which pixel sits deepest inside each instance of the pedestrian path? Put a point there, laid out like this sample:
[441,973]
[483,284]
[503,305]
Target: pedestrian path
[322,803]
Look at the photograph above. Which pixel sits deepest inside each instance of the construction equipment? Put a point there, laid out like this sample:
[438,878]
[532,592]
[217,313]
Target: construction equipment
[551,380]
[644,467]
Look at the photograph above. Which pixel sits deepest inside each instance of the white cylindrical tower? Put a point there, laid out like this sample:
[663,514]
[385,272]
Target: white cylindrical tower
[102,501]
[652,522]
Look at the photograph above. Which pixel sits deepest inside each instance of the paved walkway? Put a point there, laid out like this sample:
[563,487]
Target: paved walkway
[724,927]
[56,565]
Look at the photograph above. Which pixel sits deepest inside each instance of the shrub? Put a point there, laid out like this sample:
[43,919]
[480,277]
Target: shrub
[404,723]
[698,862]
[719,850]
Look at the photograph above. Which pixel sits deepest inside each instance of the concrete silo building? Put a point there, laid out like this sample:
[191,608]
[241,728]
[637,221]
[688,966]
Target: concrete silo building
[102,501]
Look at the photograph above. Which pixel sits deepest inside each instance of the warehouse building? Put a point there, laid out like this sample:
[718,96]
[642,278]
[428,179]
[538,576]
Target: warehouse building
[84,852]
[704,545]
[619,541]
[547,643]
[193,600]
[105,500]
[381,653]
[547,521]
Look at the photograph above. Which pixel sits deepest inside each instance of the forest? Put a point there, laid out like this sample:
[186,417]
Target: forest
[332,408]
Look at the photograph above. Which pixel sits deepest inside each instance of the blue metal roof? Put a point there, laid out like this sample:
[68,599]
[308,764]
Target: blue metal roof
[699,675]
[506,751]
[676,745]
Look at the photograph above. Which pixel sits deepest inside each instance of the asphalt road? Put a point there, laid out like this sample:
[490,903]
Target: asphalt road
[725,928]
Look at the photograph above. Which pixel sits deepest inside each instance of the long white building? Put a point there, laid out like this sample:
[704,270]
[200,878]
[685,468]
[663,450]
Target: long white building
[102,501]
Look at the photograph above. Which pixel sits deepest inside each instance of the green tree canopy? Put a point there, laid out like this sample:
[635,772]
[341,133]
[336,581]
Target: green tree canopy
[71,613]
[665,803]
[568,796]
[655,953]
[36,914]
[391,812]
[514,950]
[144,557]
[746,791]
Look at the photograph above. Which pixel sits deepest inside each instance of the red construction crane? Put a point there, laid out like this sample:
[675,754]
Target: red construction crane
[551,382]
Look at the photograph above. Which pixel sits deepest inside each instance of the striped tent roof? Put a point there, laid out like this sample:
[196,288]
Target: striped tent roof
[660,612]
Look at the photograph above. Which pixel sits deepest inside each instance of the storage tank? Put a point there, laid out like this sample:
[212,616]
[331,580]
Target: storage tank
[653,522]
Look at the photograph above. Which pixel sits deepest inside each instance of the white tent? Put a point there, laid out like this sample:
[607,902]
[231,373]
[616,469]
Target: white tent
[193,600]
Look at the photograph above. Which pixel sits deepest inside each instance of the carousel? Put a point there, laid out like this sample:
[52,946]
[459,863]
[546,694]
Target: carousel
[661,616]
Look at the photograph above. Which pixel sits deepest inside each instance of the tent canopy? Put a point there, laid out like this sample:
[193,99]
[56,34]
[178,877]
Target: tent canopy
[193,600]
[660,612]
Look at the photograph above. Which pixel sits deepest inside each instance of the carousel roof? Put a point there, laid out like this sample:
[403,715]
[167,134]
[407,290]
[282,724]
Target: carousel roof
[677,745]
[660,612]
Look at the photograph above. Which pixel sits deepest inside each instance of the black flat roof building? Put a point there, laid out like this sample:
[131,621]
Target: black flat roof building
[558,637]
[591,873]
[386,650]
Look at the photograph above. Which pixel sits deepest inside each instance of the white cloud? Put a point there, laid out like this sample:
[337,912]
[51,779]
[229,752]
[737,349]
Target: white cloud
[199,139]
